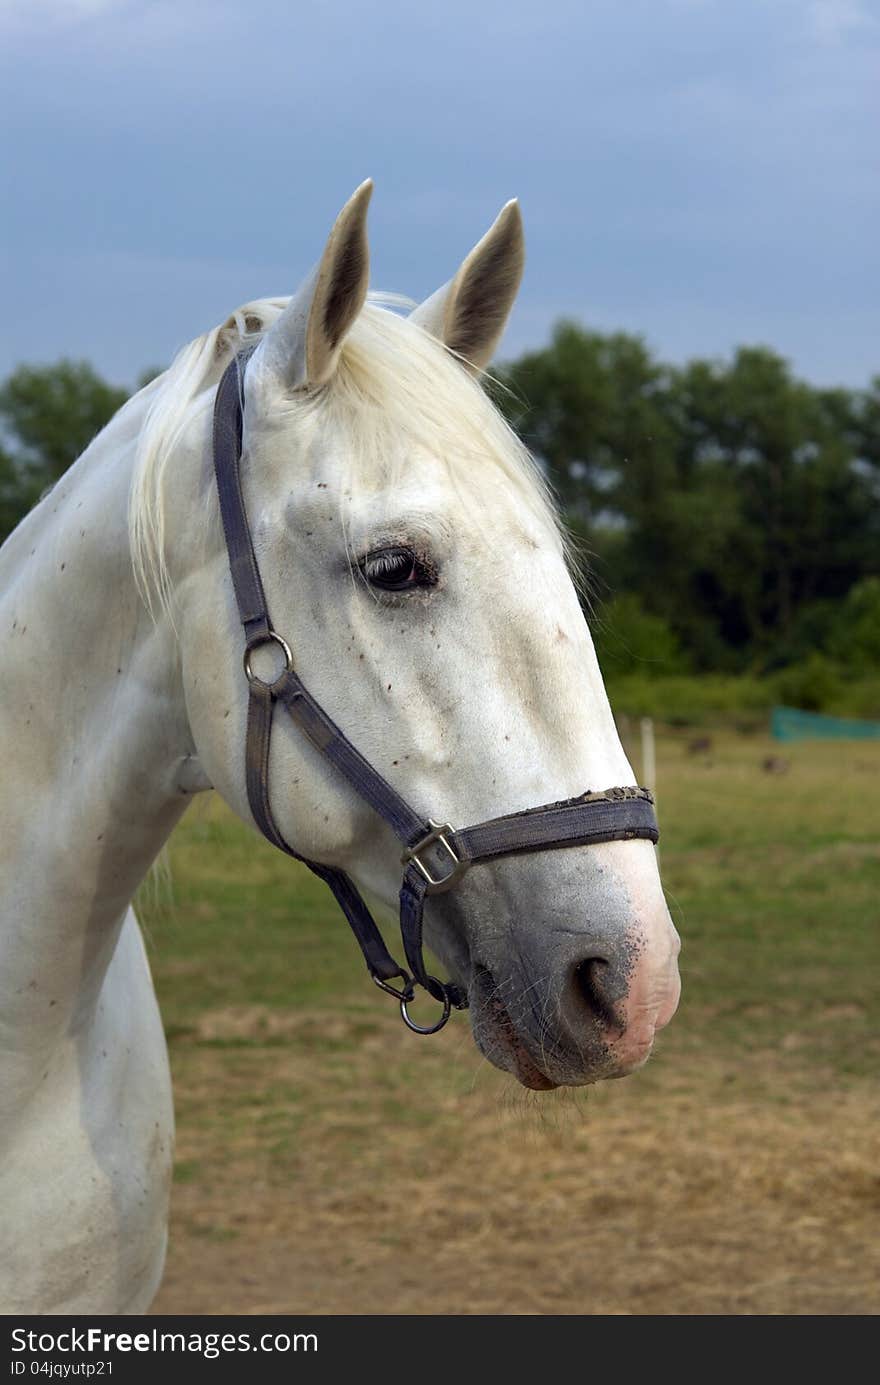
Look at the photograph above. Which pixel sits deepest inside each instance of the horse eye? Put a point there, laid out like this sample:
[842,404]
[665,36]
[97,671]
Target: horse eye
[395,570]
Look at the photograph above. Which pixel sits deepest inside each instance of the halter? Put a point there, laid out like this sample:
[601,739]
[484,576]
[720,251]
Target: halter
[435,855]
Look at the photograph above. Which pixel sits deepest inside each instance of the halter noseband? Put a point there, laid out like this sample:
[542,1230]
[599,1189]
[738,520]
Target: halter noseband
[435,855]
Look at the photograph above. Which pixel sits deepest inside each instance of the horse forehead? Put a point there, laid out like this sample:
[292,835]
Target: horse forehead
[416,492]
[310,465]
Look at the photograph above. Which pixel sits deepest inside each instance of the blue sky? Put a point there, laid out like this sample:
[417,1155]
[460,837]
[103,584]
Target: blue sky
[704,172]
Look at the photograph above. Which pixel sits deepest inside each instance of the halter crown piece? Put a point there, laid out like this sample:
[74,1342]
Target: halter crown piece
[435,855]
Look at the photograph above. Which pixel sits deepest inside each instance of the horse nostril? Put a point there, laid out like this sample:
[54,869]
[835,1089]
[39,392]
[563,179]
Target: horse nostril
[594,985]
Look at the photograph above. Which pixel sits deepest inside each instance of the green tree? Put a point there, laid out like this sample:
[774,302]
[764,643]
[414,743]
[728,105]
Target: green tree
[587,406]
[730,497]
[629,639]
[49,416]
[855,636]
[805,525]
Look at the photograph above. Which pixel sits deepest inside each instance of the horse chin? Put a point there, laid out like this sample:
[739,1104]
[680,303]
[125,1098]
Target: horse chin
[510,1056]
[497,1040]
[528,1075]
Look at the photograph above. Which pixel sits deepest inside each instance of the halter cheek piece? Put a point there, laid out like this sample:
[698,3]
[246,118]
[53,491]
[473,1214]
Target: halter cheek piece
[435,855]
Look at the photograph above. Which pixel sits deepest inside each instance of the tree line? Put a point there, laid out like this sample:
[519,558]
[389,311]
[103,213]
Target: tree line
[729,511]
[726,511]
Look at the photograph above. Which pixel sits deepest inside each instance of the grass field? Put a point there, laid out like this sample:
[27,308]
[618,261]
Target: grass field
[330,1162]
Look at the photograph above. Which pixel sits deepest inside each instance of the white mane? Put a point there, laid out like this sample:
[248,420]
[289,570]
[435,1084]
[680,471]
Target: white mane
[393,378]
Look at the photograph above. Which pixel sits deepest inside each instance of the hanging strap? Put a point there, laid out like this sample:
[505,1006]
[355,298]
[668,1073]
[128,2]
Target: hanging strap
[254,614]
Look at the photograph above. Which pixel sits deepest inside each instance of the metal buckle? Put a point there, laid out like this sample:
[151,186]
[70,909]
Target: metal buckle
[406,992]
[438,835]
[271,637]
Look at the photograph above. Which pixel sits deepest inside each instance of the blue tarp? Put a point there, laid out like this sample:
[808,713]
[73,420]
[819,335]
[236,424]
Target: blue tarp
[791,724]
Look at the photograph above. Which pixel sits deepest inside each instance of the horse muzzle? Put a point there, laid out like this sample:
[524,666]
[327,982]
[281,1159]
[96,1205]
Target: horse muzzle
[589,1014]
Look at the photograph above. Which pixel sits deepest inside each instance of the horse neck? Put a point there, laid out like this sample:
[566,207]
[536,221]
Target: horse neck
[94,732]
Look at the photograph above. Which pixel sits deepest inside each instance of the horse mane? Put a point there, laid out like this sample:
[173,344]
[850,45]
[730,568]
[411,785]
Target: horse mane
[173,400]
[392,378]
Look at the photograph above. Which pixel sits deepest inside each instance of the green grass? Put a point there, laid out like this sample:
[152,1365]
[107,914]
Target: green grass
[243,925]
[743,701]
[733,1174]
[773,880]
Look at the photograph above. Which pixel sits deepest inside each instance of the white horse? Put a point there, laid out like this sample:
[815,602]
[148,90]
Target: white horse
[411,556]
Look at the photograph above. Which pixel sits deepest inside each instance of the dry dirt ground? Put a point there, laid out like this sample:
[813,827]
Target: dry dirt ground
[438,1187]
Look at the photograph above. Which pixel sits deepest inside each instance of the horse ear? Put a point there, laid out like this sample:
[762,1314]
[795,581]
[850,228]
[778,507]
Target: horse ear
[302,346]
[470,312]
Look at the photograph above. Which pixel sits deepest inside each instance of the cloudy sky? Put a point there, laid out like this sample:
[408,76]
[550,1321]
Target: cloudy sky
[702,171]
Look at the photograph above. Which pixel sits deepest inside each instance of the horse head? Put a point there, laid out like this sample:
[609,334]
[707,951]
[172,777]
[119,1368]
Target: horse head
[413,560]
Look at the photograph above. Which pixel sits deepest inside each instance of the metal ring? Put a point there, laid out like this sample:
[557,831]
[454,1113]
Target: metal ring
[271,637]
[431,1028]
